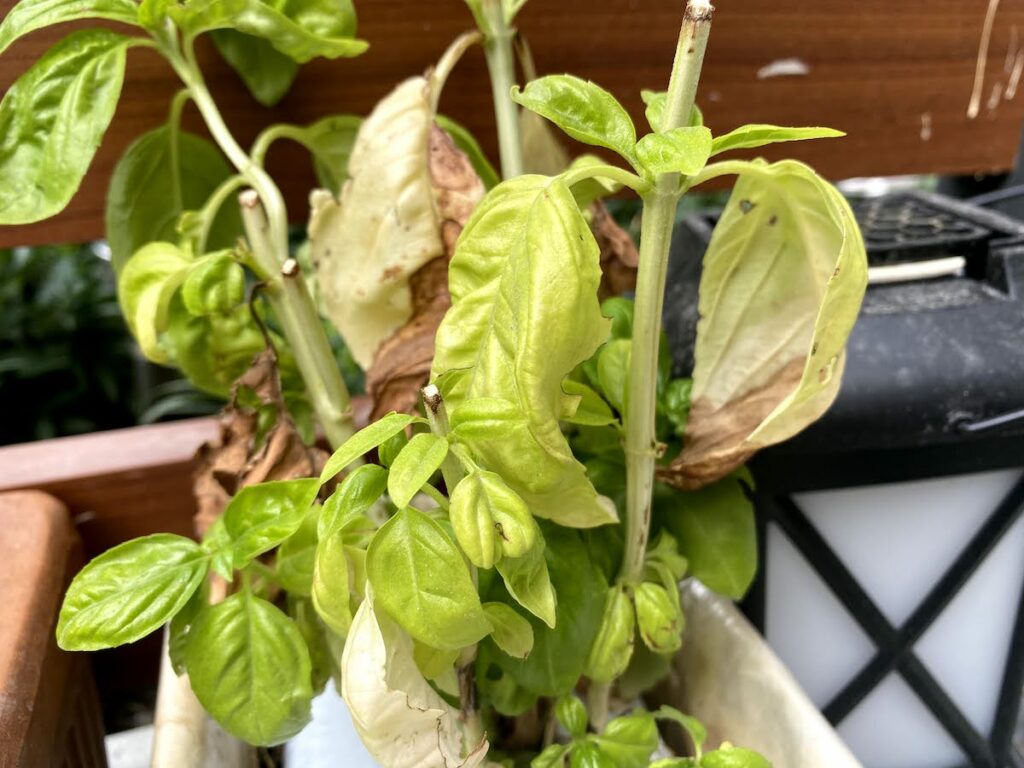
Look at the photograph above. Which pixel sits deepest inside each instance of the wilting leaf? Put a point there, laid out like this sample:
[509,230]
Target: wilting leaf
[787,239]
[401,720]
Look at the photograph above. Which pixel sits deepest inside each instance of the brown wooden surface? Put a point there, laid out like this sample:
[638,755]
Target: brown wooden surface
[897,76]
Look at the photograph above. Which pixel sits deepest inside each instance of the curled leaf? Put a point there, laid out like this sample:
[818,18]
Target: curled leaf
[613,646]
[787,239]
[402,721]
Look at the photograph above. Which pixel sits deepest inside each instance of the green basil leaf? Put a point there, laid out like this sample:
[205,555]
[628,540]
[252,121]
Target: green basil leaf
[490,520]
[655,101]
[331,584]
[556,662]
[260,517]
[129,591]
[528,581]
[676,403]
[750,136]
[414,466]
[646,669]
[572,714]
[524,314]
[366,440]
[330,141]
[390,448]
[154,182]
[217,543]
[682,150]
[629,740]
[733,757]
[250,669]
[214,285]
[52,120]
[296,555]
[30,15]
[612,647]
[353,497]
[497,688]
[553,756]
[512,633]
[432,662]
[676,762]
[787,238]
[145,288]
[587,754]
[588,407]
[323,655]
[266,72]
[466,142]
[658,618]
[313,28]
[716,532]
[421,580]
[613,372]
[693,727]
[181,624]
[582,109]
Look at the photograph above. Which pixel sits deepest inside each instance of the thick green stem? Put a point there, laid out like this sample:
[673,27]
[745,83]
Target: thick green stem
[655,238]
[502,68]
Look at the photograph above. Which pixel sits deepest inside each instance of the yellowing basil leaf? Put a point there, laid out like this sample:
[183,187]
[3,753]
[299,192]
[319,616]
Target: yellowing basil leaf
[295,557]
[490,520]
[30,15]
[414,466]
[145,288]
[524,314]
[715,530]
[129,591]
[421,580]
[400,719]
[733,757]
[658,618]
[757,135]
[655,101]
[250,669]
[682,150]
[353,498]
[214,285]
[53,118]
[156,181]
[431,662]
[260,517]
[313,28]
[587,407]
[365,440]
[629,740]
[529,583]
[266,72]
[582,109]
[572,714]
[786,239]
[512,633]
[610,653]
[331,584]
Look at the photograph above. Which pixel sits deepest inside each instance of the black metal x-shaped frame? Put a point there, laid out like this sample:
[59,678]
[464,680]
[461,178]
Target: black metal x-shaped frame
[896,644]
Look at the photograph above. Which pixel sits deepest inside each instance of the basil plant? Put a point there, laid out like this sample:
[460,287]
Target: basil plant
[488,570]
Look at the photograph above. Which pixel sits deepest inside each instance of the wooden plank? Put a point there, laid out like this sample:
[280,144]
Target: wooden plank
[897,76]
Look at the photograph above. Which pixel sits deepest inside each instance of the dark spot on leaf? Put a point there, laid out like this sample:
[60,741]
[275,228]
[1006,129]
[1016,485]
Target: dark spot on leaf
[501,531]
[773,220]
[814,348]
[746,206]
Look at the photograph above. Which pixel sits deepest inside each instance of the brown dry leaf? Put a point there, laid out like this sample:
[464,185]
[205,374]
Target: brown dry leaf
[401,366]
[236,460]
[619,256]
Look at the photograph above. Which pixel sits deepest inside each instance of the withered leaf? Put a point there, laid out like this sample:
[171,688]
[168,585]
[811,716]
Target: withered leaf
[619,256]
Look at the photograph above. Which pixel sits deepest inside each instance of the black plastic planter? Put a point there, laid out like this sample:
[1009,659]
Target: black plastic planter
[934,393]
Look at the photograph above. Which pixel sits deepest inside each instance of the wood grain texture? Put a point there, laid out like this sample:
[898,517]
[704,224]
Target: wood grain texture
[897,76]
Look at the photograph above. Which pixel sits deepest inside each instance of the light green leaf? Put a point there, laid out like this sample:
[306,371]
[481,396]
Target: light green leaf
[477,9]
[757,135]
[296,555]
[613,372]
[313,28]
[787,239]
[266,72]
[733,757]
[716,532]
[587,754]
[524,314]
[681,150]
[433,663]
[421,580]
[217,543]
[330,142]
[655,101]
[490,520]
[572,714]
[612,647]
[693,727]
[586,406]
[582,109]
[260,517]
[658,618]
[529,583]
[553,756]
[512,633]
[30,15]
[497,688]
[52,120]
[677,403]
[145,288]
[129,591]
[629,740]
[512,9]
[156,181]
[466,142]
[414,466]
[181,624]
[595,188]
[331,584]
[366,440]
[250,669]
[215,285]
[353,497]
[390,448]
